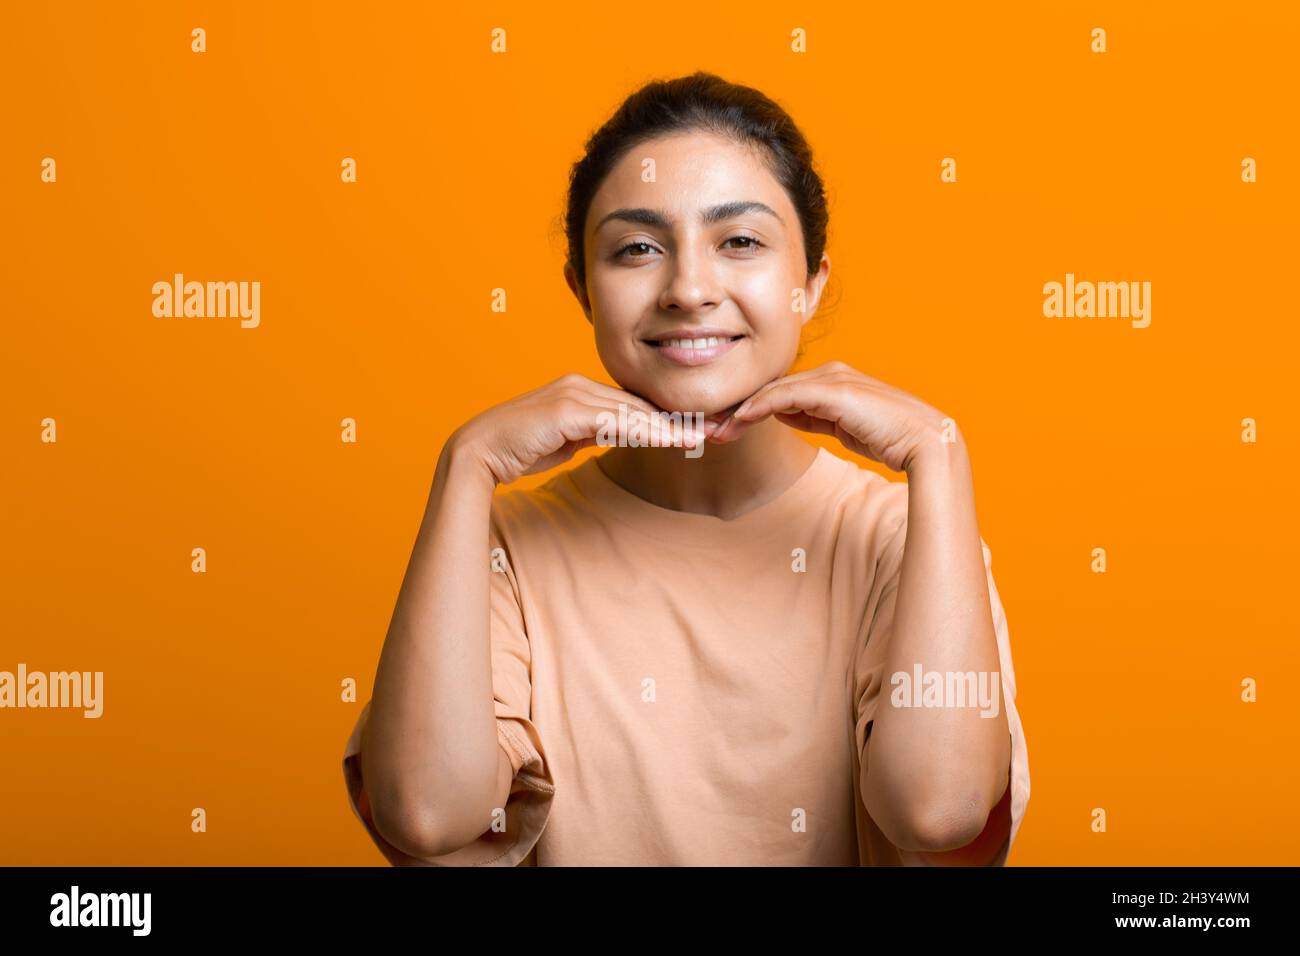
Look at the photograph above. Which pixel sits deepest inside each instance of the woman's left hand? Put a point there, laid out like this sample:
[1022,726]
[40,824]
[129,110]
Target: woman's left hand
[867,415]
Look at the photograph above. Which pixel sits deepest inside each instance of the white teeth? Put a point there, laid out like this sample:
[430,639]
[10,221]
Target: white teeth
[692,343]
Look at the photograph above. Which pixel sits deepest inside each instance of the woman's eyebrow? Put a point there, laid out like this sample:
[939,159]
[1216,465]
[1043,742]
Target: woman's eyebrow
[708,216]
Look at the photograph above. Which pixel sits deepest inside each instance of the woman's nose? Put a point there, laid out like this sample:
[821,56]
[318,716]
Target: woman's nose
[692,282]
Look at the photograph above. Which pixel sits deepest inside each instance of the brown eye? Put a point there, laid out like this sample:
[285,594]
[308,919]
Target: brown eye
[752,243]
[623,253]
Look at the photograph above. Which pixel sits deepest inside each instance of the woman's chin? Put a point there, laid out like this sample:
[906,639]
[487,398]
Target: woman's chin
[722,414]
[709,408]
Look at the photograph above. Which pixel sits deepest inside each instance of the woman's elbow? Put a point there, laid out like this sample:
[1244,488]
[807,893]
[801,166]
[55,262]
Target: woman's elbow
[420,833]
[945,824]
[924,825]
[427,823]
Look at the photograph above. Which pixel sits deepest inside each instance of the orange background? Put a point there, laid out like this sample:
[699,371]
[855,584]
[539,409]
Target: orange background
[222,689]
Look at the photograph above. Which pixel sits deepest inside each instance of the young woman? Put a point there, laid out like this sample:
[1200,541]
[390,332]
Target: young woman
[728,647]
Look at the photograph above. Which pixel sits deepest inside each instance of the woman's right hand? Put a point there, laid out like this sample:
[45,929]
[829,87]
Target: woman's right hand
[545,427]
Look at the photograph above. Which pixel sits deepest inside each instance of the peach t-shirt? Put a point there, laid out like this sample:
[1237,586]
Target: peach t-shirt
[678,689]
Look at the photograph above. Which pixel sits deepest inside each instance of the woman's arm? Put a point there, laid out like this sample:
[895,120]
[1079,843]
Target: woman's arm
[431,761]
[433,766]
[933,774]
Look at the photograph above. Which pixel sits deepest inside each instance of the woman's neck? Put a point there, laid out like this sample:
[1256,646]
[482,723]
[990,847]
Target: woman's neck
[726,481]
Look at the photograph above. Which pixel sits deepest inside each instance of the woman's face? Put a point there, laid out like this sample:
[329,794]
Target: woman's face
[710,247]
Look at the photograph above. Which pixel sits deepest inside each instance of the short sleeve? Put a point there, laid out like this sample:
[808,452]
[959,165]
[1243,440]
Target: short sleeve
[532,790]
[869,676]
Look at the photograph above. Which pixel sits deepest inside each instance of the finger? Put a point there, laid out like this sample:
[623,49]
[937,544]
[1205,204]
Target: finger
[730,431]
[828,371]
[611,393]
[813,398]
[819,399]
[748,401]
[805,422]
[586,389]
[655,430]
[559,456]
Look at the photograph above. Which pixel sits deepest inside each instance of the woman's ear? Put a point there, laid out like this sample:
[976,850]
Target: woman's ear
[571,279]
[814,287]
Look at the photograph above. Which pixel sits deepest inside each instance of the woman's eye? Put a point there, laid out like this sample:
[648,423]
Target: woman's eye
[623,253]
[749,244]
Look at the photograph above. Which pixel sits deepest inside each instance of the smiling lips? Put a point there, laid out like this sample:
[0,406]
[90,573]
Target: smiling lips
[696,351]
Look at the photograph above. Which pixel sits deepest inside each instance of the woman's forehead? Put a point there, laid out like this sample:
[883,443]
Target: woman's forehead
[683,176]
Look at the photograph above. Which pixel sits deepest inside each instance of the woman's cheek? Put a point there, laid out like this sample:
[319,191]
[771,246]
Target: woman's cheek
[614,349]
[768,305]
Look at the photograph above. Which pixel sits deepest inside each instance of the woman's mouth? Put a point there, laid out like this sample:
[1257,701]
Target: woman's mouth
[694,351]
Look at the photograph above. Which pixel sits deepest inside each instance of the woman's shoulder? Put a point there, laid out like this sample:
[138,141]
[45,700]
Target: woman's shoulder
[866,493]
[867,514]
[519,508]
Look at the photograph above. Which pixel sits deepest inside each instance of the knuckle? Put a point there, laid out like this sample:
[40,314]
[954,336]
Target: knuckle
[567,380]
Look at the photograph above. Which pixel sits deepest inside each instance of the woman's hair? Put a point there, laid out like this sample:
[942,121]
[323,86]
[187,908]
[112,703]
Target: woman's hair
[706,102]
